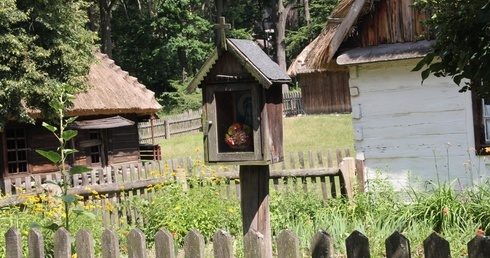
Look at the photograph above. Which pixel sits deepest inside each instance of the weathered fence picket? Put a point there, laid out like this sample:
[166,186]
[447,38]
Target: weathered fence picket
[321,245]
[111,189]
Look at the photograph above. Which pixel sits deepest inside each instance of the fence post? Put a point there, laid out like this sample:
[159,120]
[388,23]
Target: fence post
[164,244]
[436,247]
[479,247]
[84,244]
[357,245]
[348,170]
[167,129]
[397,246]
[194,244]
[136,244]
[288,245]
[254,241]
[322,245]
[222,245]
[62,243]
[35,244]
[110,244]
[13,243]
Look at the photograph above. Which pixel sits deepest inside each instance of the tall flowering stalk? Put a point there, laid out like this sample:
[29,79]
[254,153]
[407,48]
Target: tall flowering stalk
[58,157]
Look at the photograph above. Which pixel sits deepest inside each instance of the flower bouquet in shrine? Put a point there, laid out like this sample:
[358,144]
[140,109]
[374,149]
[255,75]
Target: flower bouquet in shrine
[238,136]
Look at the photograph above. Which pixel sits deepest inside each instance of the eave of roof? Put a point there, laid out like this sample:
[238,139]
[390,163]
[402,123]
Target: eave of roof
[385,52]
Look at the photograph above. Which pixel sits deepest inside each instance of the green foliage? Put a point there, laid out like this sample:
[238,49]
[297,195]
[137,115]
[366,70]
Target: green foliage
[43,45]
[178,211]
[164,46]
[297,38]
[59,104]
[462,48]
[180,100]
[441,207]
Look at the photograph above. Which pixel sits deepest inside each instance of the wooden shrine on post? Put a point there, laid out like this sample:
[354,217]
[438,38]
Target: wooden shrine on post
[242,120]
[242,104]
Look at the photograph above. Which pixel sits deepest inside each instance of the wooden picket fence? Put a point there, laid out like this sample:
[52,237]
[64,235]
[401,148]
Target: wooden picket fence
[329,174]
[168,126]
[292,104]
[287,245]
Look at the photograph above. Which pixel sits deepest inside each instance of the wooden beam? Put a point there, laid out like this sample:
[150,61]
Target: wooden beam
[254,182]
[344,27]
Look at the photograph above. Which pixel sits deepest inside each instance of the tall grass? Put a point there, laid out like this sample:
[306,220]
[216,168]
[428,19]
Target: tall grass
[312,132]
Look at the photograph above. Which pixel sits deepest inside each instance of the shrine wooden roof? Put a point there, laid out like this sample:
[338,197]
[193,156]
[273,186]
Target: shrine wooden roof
[252,57]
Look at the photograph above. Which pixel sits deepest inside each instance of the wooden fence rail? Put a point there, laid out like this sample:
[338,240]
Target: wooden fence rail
[287,245]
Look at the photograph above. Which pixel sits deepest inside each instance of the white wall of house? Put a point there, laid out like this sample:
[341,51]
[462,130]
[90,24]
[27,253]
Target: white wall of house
[404,128]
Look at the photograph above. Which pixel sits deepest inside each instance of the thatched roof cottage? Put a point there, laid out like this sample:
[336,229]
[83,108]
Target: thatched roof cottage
[107,125]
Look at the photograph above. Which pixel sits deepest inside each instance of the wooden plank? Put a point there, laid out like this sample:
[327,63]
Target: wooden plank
[110,244]
[436,247]
[254,182]
[194,244]
[357,245]
[322,245]
[288,245]
[479,247]
[35,244]
[84,243]
[13,243]
[164,244]
[62,243]
[345,27]
[397,246]
[222,245]
[136,244]
[254,245]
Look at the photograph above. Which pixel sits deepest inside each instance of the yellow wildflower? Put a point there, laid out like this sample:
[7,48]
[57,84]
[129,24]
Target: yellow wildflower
[230,210]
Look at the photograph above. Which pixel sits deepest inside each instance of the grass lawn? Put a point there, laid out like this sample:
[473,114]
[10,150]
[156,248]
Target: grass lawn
[302,133]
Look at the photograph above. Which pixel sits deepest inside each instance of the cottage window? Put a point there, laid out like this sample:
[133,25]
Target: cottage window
[16,150]
[486,119]
[95,150]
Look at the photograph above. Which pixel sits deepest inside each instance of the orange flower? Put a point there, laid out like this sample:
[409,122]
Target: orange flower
[445,211]
[480,232]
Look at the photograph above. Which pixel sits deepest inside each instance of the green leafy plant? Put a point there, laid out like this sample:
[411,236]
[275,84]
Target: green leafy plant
[58,157]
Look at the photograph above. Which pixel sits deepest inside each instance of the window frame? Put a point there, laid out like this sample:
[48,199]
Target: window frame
[16,150]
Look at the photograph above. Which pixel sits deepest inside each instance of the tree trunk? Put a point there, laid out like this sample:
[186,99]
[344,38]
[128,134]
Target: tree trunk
[105,26]
[280,37]
[183,62]
[307,11]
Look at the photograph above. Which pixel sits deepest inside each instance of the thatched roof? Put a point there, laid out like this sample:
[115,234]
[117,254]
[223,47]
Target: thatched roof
[319,53]
[113,91]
